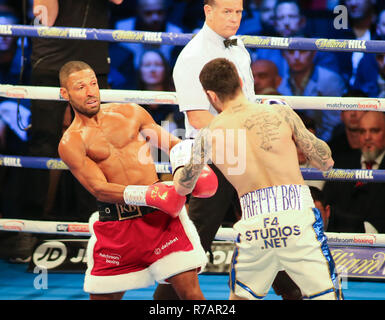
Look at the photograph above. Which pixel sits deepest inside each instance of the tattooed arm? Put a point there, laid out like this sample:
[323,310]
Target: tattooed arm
[316,150]
[186,177]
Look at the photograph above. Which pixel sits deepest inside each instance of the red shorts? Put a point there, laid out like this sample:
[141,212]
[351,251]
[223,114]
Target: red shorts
[134,253]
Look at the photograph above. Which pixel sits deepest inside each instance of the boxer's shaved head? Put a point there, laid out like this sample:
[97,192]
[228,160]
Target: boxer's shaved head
[71,67]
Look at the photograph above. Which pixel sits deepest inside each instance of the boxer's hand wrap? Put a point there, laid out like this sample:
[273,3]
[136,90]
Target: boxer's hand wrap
[159,195]
[207,184]
[180,154]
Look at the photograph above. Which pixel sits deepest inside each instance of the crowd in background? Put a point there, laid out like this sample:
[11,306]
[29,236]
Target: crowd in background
[137,66]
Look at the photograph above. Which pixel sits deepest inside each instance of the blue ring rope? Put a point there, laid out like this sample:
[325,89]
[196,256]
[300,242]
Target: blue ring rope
[165,167]
[180,39]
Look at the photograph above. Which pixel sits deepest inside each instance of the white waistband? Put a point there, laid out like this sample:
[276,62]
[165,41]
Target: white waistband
[274,199]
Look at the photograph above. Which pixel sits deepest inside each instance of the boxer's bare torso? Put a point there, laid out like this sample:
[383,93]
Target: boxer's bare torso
[267,139]
[111,147]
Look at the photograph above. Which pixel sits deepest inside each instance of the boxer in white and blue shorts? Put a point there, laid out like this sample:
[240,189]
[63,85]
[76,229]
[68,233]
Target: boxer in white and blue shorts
[254,145]
[281,229]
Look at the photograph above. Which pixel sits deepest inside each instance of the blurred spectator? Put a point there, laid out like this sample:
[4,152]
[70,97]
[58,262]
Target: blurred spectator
[307,79]
[370,73]
[187,14]
[367,78]
[358,206]
[380,59]
[151,16]
[11,51]
[362,14]
[373,82]
[12,137]
[260,20]
[361,26]
[266,77]
[302,160]
[301,18]
[267,17]
[290,21]
[346,137]
[155,75]
[372,137]
[380,25]
[121,68]
[321,204]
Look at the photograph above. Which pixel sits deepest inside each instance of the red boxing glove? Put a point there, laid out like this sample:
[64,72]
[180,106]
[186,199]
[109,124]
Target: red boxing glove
[165,198]
[207,184]
[158,195]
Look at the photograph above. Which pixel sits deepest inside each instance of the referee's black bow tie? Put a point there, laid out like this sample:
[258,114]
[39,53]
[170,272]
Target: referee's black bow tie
[230,42]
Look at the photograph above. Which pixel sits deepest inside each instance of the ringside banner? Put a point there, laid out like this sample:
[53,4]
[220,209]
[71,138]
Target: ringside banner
[353,262]
[60,255]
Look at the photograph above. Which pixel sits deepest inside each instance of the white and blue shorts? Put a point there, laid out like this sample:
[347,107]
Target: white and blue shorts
[281,229]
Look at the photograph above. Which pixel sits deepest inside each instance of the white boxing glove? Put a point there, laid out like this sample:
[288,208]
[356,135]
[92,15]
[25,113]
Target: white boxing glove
[180,154]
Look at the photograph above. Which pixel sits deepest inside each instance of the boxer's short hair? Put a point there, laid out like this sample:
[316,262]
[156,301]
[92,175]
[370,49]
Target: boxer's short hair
[221,76]
[71,67]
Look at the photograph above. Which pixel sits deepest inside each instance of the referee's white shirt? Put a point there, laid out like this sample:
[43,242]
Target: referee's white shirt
[205,46]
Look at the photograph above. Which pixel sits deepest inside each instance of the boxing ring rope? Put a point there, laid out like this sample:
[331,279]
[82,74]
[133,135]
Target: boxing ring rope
[167,97]
[157,97]
[179,39]
[223,234]
[363,175]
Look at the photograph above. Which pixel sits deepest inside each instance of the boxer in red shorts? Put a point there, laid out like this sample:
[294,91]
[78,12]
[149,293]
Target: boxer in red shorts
[141,232]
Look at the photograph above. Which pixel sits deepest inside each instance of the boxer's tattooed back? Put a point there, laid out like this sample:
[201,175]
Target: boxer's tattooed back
[315,150]
[266,126]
